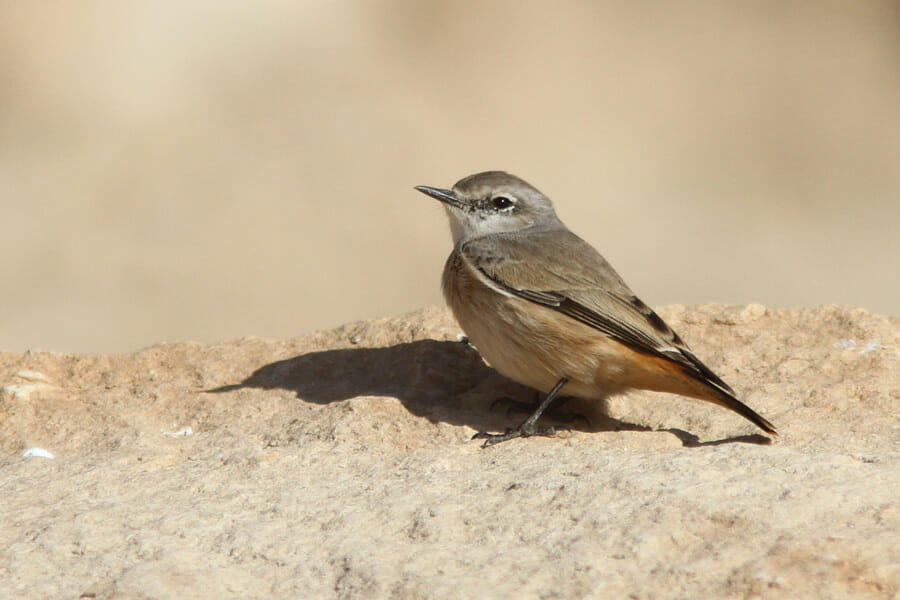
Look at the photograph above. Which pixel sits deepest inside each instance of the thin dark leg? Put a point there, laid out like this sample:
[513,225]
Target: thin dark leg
[527,428]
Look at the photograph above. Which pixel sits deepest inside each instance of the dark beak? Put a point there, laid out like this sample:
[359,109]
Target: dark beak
[445,196]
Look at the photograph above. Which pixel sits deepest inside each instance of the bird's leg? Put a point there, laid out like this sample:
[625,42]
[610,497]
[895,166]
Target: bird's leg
[527,428]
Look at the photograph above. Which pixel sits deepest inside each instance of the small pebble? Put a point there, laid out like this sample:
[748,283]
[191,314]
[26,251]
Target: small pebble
[752,312]
[37,453]
[29,375]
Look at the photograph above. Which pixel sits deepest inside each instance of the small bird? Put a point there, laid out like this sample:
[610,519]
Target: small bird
[546,310]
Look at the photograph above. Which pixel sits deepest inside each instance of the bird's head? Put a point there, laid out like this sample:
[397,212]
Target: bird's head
[493,202]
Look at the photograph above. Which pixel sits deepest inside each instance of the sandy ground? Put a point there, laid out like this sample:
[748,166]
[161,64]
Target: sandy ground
[339,465]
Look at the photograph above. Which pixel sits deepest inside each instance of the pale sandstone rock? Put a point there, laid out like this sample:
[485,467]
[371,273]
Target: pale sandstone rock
[338,465]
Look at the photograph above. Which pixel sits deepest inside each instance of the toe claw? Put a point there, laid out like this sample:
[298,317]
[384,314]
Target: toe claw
[495,438]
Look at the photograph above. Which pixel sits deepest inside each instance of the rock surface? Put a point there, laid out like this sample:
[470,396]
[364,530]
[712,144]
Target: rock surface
[338,465]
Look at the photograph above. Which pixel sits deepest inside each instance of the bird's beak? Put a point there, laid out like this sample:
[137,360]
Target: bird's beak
[445,196]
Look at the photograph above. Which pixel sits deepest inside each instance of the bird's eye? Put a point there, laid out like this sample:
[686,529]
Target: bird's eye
[501,202]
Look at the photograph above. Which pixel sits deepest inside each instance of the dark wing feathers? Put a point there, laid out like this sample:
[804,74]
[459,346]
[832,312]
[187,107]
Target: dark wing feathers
[586,289]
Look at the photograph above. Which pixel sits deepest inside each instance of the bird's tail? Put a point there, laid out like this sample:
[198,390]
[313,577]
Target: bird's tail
[713,389]
[726,400]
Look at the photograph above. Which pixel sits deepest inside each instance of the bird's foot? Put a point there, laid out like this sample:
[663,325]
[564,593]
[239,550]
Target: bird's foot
[529,407]
[523,430]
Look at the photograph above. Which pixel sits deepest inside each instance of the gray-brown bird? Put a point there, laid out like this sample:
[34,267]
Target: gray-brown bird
[546,310]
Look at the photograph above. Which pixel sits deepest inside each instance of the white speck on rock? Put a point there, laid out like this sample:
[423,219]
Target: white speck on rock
[37,453]
[850,344]
[183,432]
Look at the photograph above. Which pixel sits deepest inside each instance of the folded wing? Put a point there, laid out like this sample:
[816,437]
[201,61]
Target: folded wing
[581,284]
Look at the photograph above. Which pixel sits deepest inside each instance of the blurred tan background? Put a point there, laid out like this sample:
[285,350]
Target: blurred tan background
[216,169]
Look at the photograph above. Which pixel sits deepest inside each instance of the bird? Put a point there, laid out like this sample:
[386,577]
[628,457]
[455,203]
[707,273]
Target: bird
[546,310]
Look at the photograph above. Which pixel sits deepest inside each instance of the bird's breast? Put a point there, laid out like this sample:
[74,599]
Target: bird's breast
[528,343]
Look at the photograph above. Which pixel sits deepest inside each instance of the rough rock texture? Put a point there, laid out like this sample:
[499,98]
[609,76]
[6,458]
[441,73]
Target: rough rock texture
[338,465]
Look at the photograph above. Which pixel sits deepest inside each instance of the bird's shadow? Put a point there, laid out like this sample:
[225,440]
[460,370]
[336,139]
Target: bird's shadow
[689,440]
[441,381]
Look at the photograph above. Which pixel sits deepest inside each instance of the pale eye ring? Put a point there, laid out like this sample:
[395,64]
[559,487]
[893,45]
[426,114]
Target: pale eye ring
[501,202]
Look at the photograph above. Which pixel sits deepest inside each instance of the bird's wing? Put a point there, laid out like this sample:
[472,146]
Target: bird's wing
[559,270]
